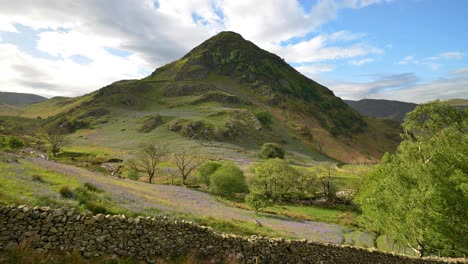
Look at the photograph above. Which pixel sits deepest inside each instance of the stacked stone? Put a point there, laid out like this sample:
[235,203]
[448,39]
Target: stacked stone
[146,238]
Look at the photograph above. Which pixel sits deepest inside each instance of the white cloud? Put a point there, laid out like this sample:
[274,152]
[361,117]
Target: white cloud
[460,71]
[362,62]
[453,55]
[408,60]
[324,47]
[404,87]
[22,72]
[313,71]
[378,84]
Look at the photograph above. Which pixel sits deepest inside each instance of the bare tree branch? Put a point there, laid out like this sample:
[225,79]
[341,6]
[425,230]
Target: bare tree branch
[147,159]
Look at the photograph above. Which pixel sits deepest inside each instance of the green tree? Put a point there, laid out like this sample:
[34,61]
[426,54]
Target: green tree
[419,195]
[326,184]
[276,177]
[227,180]
[205,171]
[271,151]
[257,198]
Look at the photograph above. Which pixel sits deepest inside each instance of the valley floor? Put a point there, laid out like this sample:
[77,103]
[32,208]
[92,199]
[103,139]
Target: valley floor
[140,196]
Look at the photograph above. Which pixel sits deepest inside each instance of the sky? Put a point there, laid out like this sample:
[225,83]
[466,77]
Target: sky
[406,50]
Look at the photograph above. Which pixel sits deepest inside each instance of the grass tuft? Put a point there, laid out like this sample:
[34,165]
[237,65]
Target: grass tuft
[37,178]
[92,187]
[67,192]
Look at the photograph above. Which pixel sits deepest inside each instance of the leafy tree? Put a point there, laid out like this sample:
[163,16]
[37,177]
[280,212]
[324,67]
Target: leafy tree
[271,151]
[147,159]
[227,180]
[326,184]
[275,177]
[419,195]
[257,198]
[56,138]
[306,183]
[185,165]
[205,171]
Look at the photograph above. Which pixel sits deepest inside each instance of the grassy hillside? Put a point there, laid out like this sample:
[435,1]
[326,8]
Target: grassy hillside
[225,97]
[458,103]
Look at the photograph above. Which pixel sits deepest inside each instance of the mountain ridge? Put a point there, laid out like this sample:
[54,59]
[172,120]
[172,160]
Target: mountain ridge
[15,99]
[381,108]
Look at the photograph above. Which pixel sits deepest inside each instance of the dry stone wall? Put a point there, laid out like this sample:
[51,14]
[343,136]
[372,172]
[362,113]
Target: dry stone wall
[146,238]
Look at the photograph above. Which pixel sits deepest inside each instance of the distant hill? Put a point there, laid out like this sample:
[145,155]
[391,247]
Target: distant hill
[395,110]
[458,103]
[14,99]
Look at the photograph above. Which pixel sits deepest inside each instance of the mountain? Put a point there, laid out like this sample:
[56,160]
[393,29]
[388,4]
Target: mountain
[14,99]
[225,97]
[395,110]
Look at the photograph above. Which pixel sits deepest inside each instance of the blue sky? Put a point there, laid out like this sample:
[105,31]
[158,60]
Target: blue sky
[409,50]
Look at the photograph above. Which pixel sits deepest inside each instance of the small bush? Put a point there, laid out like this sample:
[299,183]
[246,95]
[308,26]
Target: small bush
[96,207]
[265,118]
[227,180]
[271,151]
[257,198]
[37,178]
[133,175]
[205,171]
[14,143]
[91,187]
[66,192]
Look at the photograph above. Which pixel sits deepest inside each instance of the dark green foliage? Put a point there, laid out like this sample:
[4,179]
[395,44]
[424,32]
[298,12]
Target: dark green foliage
[265,118]
[67,192]
[91,187]
[227,180]
[90,200]
[205,171]
[72,125]
[271,151]
[11,142]
[418,196]
[133,175]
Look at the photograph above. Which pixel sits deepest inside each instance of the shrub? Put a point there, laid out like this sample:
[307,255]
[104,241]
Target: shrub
[205,171]
[265,118]
[227,180]
[66,192]
[14,143]
[37,178]
[271,151]
[257,198]
[96,207]
[133,175]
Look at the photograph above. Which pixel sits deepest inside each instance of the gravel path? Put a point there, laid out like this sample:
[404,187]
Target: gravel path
[140,196]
